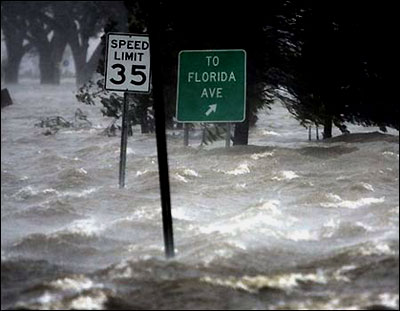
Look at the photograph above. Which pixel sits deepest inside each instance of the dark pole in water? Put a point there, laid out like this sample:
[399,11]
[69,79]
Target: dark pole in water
[228,135]
[156,65]
[186,134]
[124,142]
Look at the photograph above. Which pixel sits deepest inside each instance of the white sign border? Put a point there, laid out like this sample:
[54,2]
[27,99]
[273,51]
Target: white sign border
[245,85]
[106,61]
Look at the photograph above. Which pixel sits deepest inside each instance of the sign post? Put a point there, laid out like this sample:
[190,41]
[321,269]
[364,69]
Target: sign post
[127,63]
[211,86]
[186,134]
[228,135]
[127,70]
[124,142]
[159,114]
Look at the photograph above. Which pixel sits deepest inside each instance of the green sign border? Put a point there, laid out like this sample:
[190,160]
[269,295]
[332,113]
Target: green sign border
[244,80]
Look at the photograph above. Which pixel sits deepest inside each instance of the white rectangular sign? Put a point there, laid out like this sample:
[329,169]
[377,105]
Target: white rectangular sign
[127,63]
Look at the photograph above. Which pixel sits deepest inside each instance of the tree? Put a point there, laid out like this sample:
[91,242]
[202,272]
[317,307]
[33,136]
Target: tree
[335,65]
[49,41]
[212,25]
[81,20]
[49,26]
[14,27]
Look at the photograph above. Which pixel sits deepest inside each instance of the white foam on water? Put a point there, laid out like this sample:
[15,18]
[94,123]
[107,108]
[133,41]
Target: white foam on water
[272,133]
[271,206]
[190,172]
[46,298]
[140,173]
[364,226]
[391,154]
[390,300]
[253,284]
[354,204]
[179,177]
[76,284]
[302,235]
[265,218]
[339,275]
[80,194]
[180,213]
[86,227]
[285,175]
[93,302]
[68,287]
[50,190]
[330,227]
[368,186]
[82,171]
[257,156]
[376,248]
[334,197]
[241,186]
[130,151]
[238,244]
[242,169]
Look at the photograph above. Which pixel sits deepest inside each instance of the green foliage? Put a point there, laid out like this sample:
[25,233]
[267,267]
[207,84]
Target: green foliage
[332,62]
[212,133]
[139,106]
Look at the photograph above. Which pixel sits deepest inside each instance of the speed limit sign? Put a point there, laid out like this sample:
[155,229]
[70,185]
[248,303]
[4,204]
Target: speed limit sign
[127,63]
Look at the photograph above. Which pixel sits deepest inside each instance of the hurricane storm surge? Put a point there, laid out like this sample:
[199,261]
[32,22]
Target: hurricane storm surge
[283,223]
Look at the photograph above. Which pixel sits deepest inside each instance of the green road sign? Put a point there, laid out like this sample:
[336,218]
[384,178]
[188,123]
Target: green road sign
[211,86]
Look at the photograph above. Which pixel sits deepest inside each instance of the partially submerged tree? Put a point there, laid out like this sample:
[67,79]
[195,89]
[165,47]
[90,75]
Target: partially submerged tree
[82,20]
[14,28]
[335,66]
[318,58]
[48,26]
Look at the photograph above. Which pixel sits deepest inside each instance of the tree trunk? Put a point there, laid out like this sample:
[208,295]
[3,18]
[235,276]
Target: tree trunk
[59,44]
[47,70]
[144,126]
[79,54]
[327,128]
[85,73]
[49,64]
[12,68]
[241,133]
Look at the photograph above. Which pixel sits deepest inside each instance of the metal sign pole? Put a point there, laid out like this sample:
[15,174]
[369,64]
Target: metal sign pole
[228,135]
[159,114]
[124,142]
[186,134]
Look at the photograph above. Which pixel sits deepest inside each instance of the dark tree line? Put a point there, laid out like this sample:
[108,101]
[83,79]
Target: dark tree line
[336,63]
[47,27]
[328,61]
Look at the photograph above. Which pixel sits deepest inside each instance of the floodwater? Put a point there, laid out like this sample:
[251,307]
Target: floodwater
[283,223]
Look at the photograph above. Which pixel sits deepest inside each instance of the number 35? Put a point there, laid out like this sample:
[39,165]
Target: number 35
[135,71]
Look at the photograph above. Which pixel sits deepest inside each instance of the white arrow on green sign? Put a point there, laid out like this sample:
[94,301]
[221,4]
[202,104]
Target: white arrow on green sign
[211,86]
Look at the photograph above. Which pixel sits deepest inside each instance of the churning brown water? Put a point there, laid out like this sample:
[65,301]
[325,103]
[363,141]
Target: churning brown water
[283,223]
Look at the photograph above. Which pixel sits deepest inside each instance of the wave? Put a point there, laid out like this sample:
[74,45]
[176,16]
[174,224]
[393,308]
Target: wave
[242,168]
[364,138]
[57,209]
[362,202]
[324,152]
[285,175]
[253,284]
[72,177]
